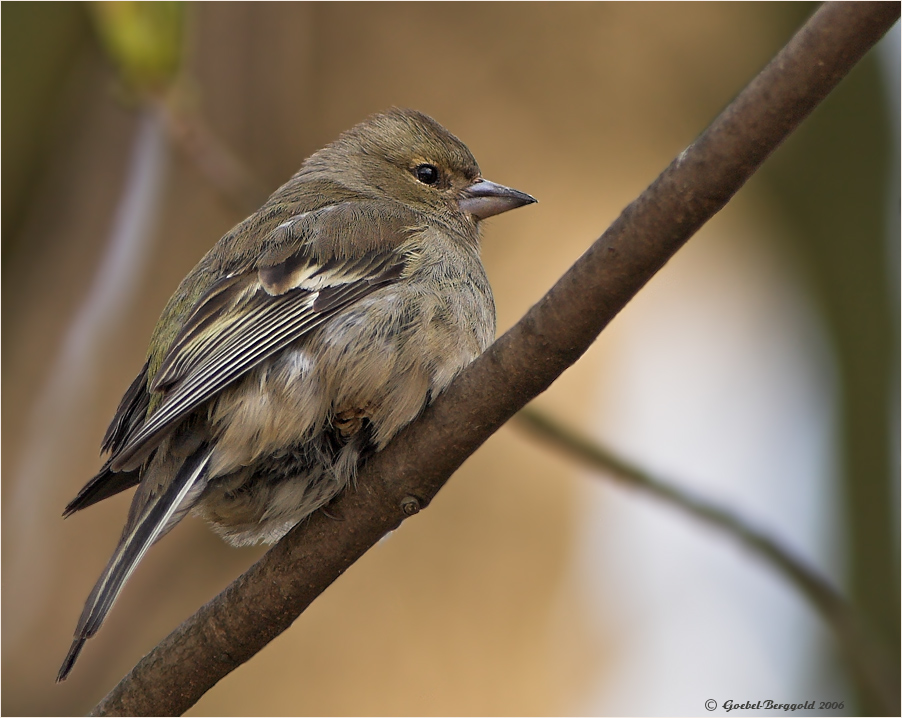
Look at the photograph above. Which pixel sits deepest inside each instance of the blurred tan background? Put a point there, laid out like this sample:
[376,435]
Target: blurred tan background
[759,368]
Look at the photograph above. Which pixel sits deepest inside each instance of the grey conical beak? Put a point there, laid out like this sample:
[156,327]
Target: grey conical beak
[485,199]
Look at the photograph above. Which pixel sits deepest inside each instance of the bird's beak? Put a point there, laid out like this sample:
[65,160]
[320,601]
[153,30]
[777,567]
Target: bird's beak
[485,199]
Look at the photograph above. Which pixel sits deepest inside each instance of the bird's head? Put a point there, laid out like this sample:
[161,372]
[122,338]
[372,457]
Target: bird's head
[406,156]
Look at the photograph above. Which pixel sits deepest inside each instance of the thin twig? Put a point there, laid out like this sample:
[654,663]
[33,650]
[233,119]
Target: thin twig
[396,482]
[866,658]
[221,167]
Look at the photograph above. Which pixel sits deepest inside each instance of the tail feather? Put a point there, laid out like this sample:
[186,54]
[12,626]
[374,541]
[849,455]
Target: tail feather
[71,657]
[154,520]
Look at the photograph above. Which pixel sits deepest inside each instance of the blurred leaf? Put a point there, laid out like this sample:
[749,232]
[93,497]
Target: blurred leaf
[144,39]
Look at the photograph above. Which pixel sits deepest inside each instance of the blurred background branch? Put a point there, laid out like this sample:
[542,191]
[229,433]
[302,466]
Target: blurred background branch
[867,659]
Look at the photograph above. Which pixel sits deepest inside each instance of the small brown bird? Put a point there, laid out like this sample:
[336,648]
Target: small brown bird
[303,341]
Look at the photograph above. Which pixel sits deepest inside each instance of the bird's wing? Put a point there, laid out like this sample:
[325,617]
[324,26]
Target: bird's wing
[244,319]
[130,413]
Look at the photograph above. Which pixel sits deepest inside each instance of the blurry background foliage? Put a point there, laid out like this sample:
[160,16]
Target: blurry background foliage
[475,606]
[144,40]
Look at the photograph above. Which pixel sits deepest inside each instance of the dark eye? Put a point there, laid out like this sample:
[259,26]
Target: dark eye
[427,174]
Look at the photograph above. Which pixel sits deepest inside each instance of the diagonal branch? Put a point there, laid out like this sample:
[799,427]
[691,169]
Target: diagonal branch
[867,659]
[403,478]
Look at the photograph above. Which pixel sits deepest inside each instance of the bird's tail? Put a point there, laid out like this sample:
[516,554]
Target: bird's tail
[153,521]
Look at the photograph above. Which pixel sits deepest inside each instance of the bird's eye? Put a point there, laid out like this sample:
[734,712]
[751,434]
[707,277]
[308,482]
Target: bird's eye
[427,174]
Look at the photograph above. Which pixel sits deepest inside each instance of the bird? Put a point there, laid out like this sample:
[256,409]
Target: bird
[301,343]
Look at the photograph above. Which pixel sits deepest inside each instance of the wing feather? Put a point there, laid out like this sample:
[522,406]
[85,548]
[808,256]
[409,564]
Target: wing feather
[246,325]
[131,412]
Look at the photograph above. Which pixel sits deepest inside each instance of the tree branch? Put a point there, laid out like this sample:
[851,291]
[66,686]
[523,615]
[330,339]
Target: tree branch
[867,659]
[404,477]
